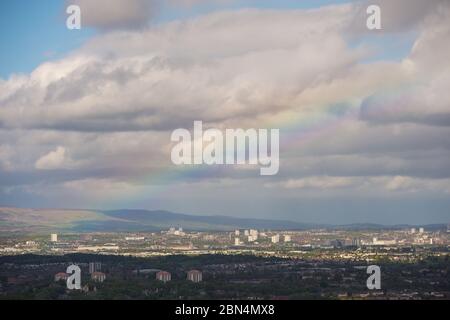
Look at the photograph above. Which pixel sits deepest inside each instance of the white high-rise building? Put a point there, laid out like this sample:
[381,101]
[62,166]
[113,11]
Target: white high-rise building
[54,237]
[246,233]
[413,230]
[252,238]
[421,230]
[275,238]
[287,238]
[236,233]
[237,242]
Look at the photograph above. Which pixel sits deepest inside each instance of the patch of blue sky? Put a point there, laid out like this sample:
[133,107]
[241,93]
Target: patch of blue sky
[33,32]
[171,13]
[386,46]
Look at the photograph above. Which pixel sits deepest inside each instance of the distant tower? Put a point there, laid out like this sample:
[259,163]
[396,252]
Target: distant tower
[356,242]
[413,230]
[237,242]
[275,238]
[287,238]
[236,233]
[54,237]
[421,230]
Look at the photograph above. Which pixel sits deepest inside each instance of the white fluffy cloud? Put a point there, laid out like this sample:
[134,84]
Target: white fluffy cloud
[315,183]
[427,98]
[367,185]
[56,159]
[208,68]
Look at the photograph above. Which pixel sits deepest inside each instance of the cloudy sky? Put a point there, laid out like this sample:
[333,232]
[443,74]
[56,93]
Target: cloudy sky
[364,116]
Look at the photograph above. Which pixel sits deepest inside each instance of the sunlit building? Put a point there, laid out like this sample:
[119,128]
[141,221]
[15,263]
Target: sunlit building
[275,238]
[163,276]
[61,276]
[98,276]
[195,276]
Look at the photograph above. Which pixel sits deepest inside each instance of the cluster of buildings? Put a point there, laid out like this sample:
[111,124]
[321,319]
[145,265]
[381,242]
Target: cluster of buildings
[96,275]
[176,232]
[175,240]
[192,275]
[94,272]
[253,235]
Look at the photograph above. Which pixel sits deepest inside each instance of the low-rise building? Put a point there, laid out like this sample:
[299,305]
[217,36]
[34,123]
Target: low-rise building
[98,276]
[195,276]
[61,276]
[163,276]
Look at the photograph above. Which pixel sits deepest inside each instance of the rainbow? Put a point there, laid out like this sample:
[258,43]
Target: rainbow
[295,131]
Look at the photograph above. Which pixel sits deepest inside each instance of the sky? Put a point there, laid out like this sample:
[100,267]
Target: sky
[364,115]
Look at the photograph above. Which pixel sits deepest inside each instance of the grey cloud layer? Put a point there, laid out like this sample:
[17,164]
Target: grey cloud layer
[116,14]
[107,15]
[209,68]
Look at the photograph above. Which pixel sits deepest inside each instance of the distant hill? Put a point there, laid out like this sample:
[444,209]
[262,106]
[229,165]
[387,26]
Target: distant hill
[372,226]
[161,220]
[18,220]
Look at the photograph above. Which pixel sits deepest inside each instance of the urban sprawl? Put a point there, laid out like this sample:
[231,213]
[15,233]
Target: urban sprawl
[242,264]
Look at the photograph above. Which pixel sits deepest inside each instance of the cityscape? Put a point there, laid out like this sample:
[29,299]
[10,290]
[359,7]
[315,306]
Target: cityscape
[242,264]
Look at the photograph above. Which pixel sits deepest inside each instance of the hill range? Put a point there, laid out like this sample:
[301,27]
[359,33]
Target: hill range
[20,220]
